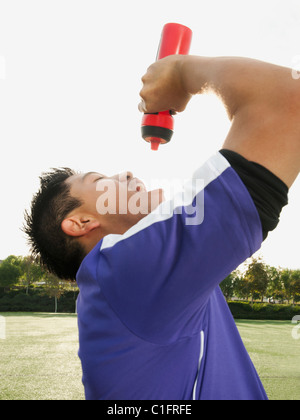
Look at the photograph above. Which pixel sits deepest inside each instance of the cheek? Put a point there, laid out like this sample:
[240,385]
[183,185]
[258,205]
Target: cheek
[107,197]
[114,198]
[122,196]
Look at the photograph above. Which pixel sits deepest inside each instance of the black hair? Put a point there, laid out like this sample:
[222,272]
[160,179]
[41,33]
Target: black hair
[59,253]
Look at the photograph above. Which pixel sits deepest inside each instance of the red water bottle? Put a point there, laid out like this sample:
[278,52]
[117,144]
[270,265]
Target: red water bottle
[158,128]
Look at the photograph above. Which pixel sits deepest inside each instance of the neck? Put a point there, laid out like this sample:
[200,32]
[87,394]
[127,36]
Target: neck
[91,239]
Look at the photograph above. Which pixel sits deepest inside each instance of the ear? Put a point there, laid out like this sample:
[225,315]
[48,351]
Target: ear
[76,226]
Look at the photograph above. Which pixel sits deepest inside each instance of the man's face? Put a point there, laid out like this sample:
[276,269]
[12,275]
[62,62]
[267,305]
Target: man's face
[120,200]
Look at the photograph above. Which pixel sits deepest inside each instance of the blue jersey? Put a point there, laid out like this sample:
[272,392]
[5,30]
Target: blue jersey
[153,323]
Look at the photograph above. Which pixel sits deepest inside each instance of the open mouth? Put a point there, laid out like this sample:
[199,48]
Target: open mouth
[137,185]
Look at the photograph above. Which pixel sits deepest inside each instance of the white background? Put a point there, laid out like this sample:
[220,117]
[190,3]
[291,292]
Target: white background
[69,88]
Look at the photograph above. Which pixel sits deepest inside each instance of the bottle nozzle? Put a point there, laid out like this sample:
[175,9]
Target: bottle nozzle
[155,144]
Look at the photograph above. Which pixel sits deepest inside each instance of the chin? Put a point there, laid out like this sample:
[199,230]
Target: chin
[156,198]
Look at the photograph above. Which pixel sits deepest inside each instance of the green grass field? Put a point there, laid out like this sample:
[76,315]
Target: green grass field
[39,357]
[276,356]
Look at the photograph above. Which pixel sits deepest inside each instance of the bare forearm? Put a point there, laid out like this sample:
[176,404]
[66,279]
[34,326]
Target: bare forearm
[240,82]
[263,103]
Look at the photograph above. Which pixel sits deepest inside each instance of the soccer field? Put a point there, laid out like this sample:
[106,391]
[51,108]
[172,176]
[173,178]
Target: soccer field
[39,357]
[276,356]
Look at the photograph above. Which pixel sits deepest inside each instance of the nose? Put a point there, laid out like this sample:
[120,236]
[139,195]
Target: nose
[125,176]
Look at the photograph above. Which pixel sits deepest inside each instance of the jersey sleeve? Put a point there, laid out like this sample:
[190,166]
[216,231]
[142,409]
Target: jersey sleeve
[268,192]
[159,275]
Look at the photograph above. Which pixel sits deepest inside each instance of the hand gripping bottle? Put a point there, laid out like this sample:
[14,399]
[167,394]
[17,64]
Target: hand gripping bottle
[158,128]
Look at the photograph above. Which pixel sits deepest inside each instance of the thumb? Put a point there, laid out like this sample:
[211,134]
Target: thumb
[142,106]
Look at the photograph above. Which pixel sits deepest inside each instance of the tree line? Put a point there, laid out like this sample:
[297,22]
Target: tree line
[25,273]
[260,281]
[257,282]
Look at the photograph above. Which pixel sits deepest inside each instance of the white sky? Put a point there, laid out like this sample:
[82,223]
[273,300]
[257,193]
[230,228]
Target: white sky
[69,88]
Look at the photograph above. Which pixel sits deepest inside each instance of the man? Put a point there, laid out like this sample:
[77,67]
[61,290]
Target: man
[153,323]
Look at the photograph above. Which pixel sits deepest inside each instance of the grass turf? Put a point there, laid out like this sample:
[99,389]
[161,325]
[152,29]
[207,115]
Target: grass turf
[276,356]
[39,357]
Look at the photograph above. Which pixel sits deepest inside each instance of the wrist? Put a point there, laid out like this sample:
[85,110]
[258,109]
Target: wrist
[195,73]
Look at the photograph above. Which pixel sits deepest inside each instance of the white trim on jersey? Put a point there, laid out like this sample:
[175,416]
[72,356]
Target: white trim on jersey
[199,363]
[207,173]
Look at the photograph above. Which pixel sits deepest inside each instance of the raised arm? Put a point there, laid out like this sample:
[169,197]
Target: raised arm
[262,101]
